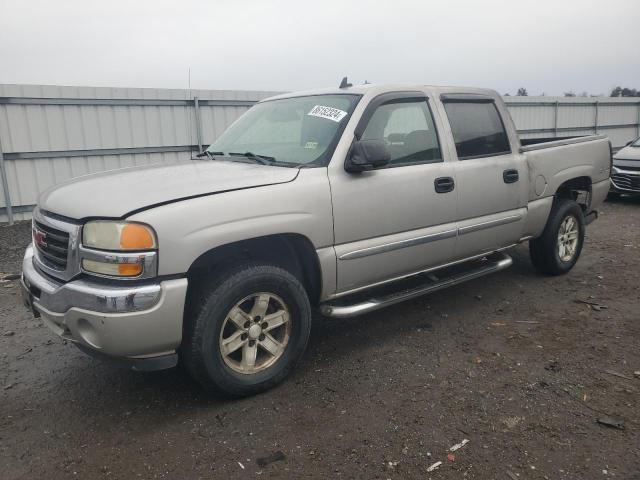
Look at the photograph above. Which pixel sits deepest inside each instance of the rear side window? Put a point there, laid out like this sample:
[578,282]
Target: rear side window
[477,129]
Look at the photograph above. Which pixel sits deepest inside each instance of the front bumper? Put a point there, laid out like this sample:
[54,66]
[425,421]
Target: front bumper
[625,180]
[139,325]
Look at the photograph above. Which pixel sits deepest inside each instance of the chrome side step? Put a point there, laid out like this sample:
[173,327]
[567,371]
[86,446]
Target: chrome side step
[489,264]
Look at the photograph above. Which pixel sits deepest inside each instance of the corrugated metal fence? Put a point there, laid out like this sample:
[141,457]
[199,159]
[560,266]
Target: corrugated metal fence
[49,134]
[618,118]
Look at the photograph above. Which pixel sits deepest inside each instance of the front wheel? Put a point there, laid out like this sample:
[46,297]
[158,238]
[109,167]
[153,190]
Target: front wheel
[557,250]
[247,330]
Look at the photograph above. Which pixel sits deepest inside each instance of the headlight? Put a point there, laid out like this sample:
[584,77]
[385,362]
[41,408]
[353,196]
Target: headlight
[118,236]
[121,240]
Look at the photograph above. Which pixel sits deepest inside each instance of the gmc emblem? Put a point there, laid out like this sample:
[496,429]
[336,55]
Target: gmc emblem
[40,238]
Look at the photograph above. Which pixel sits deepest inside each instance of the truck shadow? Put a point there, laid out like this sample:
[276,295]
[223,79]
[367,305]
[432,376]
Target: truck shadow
[97,393]
[121,409]
[458,304]
[331,339]
[625,200]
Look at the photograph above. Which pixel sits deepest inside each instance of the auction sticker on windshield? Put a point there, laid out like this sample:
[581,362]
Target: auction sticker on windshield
[329,113]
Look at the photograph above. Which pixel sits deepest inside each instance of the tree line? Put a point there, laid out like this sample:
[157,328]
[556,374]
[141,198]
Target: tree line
[616,92]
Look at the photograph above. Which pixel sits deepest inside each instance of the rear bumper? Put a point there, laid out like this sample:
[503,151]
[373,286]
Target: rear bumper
[139,326]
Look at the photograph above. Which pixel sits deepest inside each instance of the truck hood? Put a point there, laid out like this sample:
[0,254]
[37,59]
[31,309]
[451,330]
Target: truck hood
[116,193]
[627,157]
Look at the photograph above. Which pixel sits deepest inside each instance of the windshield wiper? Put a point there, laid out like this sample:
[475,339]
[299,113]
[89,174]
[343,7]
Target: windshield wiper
[209,154]
[262,159]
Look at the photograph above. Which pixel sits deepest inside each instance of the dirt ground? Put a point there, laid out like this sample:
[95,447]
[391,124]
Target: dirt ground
[515,363]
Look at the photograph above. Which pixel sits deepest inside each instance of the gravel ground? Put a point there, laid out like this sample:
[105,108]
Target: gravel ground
[513,362]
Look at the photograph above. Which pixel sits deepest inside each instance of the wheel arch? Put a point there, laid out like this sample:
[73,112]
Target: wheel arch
[577,189]
[292,251]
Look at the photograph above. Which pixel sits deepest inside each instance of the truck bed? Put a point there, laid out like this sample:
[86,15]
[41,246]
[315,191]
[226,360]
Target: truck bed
[529,144]
[556,160]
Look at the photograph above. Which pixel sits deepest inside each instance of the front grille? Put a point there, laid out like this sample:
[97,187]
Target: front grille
[52,244]
[627,182]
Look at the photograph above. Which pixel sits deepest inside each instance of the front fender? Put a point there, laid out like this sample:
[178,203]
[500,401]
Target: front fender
[189,228]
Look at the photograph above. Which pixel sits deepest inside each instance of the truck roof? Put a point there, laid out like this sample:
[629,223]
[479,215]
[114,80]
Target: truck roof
[371,89]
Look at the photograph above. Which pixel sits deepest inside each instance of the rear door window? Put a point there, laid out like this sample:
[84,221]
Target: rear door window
[477,129]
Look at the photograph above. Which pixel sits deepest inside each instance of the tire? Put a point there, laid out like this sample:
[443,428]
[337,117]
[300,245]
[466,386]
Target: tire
[211,328]
[545,251]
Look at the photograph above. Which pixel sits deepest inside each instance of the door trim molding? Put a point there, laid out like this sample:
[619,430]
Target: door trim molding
[432,237]
[490,224]
[389,247]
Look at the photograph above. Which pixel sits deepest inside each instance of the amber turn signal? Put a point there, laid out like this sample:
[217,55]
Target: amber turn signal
[112,269]
[130,269]
[134,236]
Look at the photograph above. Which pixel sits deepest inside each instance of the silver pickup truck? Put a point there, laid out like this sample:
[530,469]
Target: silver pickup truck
[343,200]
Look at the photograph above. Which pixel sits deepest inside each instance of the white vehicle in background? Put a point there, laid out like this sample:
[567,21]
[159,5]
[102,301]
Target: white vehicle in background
[625,175]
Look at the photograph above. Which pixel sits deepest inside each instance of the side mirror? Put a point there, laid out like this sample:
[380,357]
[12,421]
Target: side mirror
[367,155]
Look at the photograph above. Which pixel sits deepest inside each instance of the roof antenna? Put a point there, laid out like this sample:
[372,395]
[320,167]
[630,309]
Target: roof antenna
[345,84]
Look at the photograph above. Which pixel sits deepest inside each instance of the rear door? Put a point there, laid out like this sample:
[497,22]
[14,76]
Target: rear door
[401,218]
[491,178]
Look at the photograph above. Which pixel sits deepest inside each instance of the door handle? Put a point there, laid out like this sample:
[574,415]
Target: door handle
[444,184]
[510,175]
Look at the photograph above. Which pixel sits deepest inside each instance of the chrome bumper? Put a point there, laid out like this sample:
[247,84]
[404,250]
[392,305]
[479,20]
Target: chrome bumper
[117,321]
[59,297]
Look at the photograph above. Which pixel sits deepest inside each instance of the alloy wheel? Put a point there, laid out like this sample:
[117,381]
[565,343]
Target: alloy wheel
[255,333]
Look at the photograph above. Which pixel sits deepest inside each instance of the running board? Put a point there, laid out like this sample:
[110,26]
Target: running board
[452,276]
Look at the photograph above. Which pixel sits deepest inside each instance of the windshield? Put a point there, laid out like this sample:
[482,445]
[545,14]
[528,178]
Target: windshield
[636,143]
[292,131]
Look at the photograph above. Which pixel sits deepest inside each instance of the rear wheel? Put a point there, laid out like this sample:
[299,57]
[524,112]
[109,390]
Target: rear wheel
[247,330]
[557,250]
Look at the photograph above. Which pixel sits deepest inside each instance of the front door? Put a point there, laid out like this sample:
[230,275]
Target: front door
[399,219]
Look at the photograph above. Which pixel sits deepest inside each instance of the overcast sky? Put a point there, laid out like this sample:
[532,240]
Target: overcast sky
[545,46]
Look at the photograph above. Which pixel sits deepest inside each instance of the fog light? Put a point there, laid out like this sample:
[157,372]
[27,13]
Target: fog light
[88,333]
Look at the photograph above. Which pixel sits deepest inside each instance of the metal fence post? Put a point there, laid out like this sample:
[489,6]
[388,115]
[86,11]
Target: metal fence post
[196,106]
[5,187]
[595,121]
[638,122]
[555,119]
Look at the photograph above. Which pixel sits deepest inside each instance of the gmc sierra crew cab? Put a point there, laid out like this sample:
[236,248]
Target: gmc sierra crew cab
[342,201]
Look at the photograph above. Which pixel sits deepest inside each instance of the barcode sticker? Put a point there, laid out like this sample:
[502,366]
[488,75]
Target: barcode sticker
[329,113]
